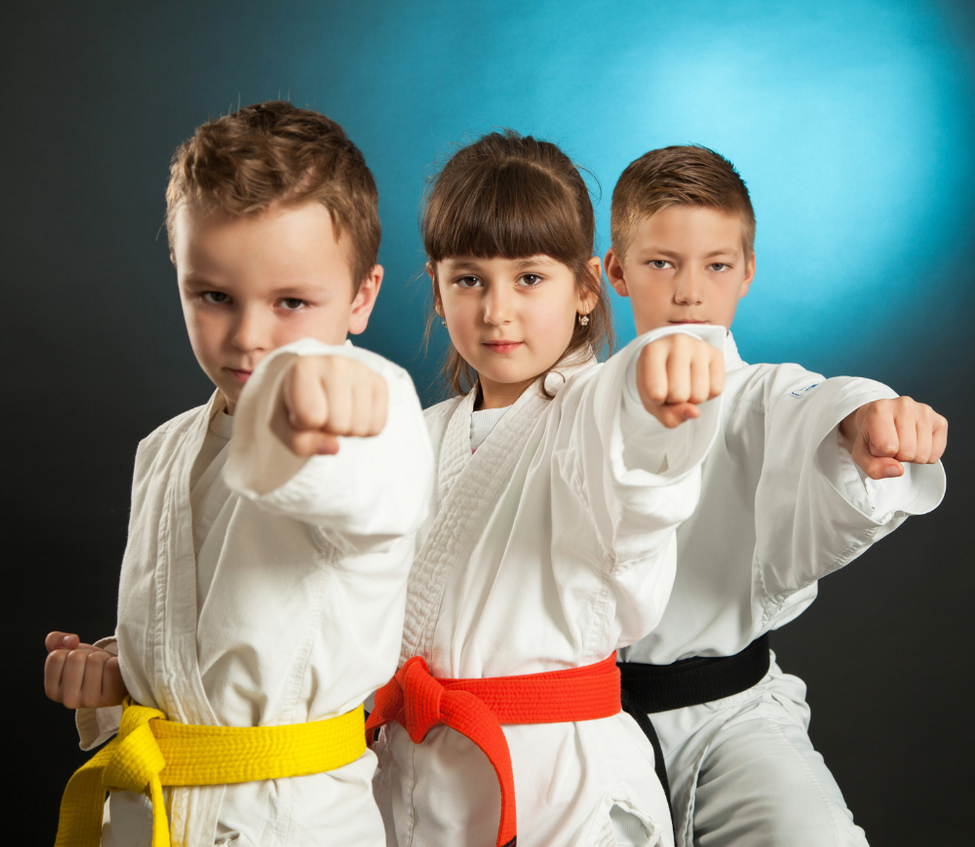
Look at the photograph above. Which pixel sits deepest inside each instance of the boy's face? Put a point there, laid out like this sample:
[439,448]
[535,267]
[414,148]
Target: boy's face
[685,265]
[252,284]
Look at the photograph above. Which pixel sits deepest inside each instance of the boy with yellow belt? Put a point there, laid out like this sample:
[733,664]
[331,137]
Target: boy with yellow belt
[271,533]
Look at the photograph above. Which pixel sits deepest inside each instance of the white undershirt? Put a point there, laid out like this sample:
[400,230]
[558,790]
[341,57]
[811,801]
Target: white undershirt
[482,423]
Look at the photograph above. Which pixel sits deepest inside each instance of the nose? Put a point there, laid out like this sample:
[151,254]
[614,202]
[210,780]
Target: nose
[497,305]
[689,287]
[251,330]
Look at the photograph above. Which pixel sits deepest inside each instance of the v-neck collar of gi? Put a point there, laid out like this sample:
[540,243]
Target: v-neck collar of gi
[469,485]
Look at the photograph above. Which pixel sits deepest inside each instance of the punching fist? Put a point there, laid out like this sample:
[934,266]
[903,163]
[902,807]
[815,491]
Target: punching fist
[883,434]
[677,373]
[322,397]
[80,675]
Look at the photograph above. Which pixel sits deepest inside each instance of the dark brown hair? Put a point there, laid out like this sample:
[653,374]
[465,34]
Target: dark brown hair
[672,176]
[277,153]
[511,196]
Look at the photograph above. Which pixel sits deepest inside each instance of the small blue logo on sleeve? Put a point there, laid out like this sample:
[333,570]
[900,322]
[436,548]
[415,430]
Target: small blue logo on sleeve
[802,392]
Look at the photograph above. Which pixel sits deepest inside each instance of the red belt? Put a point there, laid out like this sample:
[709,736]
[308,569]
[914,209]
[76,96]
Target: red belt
[477,708]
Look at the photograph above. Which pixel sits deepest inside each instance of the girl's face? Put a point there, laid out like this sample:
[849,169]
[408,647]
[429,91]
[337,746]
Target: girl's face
[510,319]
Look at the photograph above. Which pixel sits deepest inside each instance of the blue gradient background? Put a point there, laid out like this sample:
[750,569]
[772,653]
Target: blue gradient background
[853,124]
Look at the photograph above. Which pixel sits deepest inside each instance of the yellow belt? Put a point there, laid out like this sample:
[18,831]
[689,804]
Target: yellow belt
[150,752]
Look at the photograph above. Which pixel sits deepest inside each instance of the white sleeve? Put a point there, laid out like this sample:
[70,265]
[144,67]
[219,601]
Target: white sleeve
[373,491]
[814,512]
[634,476]
[96,726]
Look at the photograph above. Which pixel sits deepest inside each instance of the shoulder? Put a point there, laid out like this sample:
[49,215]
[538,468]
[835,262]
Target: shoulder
[183,422]
[436,416]
[175,428]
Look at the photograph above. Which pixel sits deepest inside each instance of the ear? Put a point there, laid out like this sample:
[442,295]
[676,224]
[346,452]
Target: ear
[614,273]
[437,301]
[365,299]
[749,275]
[172,257]
[587,297]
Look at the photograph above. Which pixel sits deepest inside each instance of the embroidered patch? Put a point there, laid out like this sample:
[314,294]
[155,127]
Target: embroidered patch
[801,392]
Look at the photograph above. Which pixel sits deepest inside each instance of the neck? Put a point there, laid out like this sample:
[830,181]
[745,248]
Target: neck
[497,395]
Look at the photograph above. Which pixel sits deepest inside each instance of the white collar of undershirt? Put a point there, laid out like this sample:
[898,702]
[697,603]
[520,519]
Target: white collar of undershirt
[483,422]
[222,425]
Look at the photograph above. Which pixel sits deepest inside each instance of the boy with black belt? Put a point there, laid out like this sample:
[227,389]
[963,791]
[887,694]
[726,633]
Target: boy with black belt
[808,473]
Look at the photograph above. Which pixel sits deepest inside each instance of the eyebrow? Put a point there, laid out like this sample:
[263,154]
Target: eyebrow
[722,251]
[474,264]
[462,265]
[197,280]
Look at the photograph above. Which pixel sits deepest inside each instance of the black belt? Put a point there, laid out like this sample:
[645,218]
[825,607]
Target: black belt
[689,682]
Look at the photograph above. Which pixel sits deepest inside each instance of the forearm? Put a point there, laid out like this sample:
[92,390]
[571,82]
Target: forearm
[376,486]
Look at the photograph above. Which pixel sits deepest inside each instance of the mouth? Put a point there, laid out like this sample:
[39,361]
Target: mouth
[502,346]
[240,376]
[677,323]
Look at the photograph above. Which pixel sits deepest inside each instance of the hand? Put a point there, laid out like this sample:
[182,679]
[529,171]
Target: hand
[322,397]
[79,675]
[882,434]
[675,374]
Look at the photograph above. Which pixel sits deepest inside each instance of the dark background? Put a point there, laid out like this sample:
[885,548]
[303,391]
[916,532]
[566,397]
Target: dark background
[852,122]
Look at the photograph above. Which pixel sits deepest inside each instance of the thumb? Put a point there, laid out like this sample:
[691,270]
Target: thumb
[875,466]
[61,641]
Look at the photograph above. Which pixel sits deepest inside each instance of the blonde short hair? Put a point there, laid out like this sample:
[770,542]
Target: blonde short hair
[673,176]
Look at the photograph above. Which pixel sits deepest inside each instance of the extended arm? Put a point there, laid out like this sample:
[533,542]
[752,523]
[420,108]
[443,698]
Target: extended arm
[814,512]
[333,436]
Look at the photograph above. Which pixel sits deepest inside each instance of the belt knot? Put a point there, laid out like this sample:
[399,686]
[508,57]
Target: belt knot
[422,697]
[136,759]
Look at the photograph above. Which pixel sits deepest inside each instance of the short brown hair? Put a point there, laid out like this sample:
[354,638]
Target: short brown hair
[678,176]
[512,196]
[275,152]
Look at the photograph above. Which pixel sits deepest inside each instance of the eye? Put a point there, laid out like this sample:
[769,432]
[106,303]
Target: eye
[215,298]
[467,282]
[659,264]
[292,304]
[718,266]
[529,280]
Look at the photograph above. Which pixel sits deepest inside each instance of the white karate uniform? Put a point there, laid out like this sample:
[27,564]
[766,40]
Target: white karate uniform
[547,549]
[782,505]
[286,607]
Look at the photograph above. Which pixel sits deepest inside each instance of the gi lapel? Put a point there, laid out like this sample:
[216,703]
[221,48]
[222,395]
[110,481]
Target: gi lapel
[177,657]
[469,485]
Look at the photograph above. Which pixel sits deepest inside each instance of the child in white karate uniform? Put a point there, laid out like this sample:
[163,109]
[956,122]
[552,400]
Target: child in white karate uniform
[271,533]
[550,542]
[807,473]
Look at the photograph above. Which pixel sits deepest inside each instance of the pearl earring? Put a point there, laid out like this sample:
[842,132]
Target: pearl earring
[443,321]
[584,320]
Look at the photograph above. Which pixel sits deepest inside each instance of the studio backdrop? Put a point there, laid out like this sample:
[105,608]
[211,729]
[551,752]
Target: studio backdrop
[852,123]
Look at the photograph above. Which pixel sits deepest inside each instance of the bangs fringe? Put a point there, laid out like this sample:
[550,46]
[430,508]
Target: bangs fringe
[511,212]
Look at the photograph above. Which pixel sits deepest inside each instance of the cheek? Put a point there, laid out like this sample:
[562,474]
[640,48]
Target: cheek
[460,317]
[328,325]
[558,323]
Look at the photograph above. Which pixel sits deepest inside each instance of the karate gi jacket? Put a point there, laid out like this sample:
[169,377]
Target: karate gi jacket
[782,505]
[303,618]
[548,548]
